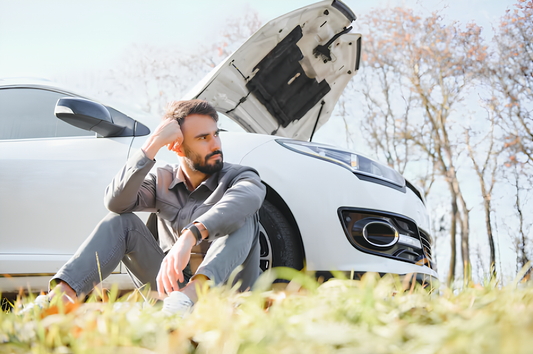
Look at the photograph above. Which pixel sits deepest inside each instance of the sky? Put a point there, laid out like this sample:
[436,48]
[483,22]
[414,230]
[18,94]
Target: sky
[59,38]
[47,38]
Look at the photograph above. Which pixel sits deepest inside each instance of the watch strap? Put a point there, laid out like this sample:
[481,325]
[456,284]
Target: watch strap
[195,231]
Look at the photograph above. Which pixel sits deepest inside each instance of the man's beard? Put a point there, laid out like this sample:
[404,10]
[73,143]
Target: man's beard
[196,163]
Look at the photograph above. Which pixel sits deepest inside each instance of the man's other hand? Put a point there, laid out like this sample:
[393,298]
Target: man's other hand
[176,260]
[167,133]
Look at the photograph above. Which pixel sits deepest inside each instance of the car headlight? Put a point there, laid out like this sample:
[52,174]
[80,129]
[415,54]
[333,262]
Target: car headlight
[356,163]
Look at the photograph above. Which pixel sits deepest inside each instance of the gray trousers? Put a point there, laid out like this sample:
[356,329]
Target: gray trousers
[124,237]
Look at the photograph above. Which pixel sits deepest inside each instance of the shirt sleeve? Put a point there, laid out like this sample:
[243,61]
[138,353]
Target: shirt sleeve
[243,199]
[133,188]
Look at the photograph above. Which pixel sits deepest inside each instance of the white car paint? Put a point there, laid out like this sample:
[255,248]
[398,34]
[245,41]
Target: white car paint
[225,86]
[323,187]
[51,189]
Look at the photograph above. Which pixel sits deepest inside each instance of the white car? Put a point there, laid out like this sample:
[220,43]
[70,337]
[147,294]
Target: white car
[326,208]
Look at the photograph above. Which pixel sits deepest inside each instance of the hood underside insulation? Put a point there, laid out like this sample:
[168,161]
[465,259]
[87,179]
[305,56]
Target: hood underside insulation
[282,85]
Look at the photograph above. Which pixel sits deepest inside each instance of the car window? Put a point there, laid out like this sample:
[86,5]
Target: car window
[27,113]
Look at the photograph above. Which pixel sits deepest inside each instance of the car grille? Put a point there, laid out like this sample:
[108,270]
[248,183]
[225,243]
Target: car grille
[426,243]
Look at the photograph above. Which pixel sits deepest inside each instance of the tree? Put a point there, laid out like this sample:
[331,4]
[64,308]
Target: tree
[152,76]
[485,161]
[387,107]
[511,76]
[387,110]
[233,35]
[520,239]
[427,66]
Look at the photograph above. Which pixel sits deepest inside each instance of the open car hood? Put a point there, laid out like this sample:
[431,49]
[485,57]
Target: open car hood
[286,78]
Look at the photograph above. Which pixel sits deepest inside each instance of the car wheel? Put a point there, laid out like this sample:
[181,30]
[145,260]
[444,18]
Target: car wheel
[280,245]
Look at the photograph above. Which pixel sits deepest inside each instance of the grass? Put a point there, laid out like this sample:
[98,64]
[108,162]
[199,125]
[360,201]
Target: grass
[370,315]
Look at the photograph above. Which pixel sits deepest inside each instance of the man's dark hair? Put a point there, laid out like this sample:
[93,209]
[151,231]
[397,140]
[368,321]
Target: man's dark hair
[180,109]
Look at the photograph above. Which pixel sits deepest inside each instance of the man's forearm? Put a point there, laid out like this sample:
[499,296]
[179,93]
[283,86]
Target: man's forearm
[129,191]
[167,133]
[151,147]
[202,229]
[240,201]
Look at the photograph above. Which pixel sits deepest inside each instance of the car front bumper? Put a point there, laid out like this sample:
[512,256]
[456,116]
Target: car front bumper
[314,190]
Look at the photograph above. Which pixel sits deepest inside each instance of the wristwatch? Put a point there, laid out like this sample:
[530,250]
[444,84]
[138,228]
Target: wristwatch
[197,234]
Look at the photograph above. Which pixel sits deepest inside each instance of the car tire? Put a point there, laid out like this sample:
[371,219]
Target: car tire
[280,243]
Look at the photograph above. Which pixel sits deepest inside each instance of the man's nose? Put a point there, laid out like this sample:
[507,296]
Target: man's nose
[215,144]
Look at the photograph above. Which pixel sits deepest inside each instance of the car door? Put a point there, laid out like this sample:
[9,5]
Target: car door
[52,180]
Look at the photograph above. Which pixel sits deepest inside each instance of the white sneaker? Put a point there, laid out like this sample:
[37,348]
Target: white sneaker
[41,301]
[177,303]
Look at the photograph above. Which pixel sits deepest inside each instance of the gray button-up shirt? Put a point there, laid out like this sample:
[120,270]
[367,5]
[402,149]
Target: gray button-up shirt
[221,203]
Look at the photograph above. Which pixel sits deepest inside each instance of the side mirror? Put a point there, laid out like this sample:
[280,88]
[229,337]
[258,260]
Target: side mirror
[87,115]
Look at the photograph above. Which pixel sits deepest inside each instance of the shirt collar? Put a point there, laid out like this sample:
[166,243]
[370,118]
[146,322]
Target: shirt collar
[179,177]
[212,181]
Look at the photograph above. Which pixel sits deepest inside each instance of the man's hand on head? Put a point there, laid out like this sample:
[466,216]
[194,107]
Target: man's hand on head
[176,260]
[167,133]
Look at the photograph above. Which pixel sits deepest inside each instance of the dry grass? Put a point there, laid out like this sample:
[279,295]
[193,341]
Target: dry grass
[340,316]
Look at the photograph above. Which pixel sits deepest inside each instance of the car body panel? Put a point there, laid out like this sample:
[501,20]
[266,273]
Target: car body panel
[231,88]
[316,203]
[51,189]
[43,183]
[38,283]
[312,188]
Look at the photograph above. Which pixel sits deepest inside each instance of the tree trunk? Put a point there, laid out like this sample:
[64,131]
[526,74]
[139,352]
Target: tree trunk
[453,234]
[463,218]
[522,257]
[490,236]
[465,246]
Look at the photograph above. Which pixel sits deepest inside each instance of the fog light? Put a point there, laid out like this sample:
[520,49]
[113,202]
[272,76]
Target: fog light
[410,241]
[386,234]
[380,234]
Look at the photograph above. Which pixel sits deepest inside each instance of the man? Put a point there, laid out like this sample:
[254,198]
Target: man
[201,199]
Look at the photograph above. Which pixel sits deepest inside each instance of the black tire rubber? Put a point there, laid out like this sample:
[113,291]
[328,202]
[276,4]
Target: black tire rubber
[284,241]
